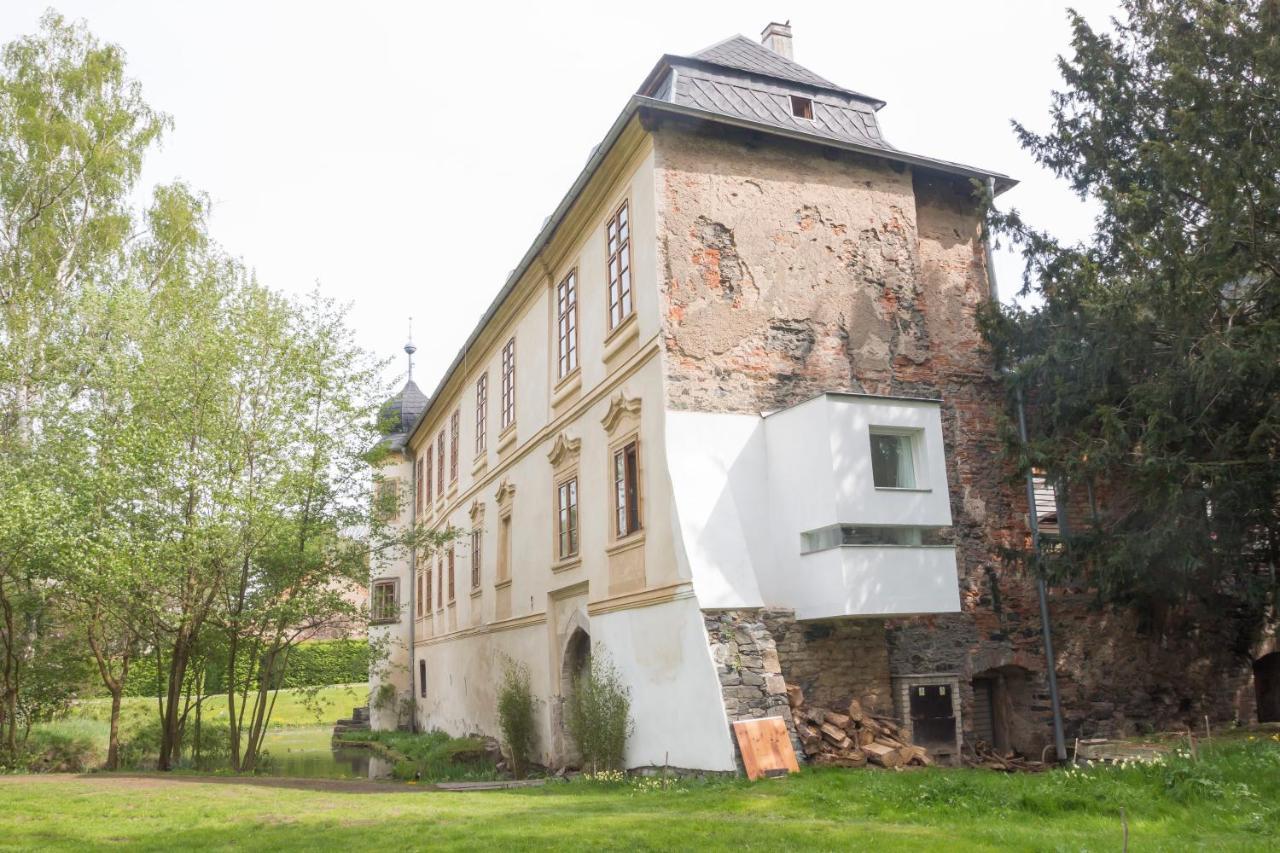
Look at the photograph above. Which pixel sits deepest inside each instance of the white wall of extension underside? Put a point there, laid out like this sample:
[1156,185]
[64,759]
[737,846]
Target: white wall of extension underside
[662,655]
[745,487]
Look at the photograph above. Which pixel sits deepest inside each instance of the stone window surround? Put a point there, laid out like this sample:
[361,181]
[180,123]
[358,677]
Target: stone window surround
[477,548]
[622,425]
[563,457]
[566,327]
[902,685]
[613,327]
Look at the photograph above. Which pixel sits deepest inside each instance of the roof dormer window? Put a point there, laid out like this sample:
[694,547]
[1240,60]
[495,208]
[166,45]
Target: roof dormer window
[802,107]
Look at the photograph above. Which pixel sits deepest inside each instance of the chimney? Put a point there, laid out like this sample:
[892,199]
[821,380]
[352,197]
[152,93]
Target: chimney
[777,37]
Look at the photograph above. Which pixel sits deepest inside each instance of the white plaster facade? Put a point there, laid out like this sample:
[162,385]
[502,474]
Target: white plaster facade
[724,497]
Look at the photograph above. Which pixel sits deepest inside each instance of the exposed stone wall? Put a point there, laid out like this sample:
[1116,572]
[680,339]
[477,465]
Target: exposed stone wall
[759,652]
[749,669]
[786,273]
[833,662]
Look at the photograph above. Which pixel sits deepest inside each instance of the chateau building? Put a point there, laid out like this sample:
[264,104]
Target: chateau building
[730,423]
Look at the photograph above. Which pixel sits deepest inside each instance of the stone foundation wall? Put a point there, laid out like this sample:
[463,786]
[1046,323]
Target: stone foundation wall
[750,671]
[758,653]
[787,272]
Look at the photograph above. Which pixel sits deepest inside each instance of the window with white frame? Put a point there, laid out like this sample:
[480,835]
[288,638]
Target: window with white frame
[482,412]
[567,324]
[618,233]
[383,606]
[893,458]
[567,517]
[509,383]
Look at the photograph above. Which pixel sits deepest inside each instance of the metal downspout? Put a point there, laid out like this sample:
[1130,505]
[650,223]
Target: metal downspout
[413,588]
[1046,628]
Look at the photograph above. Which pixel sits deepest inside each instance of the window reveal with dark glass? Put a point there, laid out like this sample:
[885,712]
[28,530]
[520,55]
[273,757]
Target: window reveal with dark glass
[567,517]
[626,489]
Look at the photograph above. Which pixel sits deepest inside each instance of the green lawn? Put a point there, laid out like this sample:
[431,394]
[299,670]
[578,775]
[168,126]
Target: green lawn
[304,707]
[299,715]
[1228,801]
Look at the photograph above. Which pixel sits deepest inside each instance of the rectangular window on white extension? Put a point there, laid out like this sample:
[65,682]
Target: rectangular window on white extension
[618,233]
[626,489]
[893,463]
[383,606]
[509,383]
[567,323]
[567,517]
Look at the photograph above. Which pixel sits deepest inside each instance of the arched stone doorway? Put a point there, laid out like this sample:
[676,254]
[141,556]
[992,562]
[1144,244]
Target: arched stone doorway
[1266,685]
[576,660]
[1002,701]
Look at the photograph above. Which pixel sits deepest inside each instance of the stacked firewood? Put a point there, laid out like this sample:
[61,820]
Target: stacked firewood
[986,755]
[853,738]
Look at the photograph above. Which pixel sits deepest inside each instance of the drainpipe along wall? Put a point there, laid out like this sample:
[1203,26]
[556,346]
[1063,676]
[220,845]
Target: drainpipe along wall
[1046,627]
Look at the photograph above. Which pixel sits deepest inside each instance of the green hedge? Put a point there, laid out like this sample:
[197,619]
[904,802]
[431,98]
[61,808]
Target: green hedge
[327,662]
[313,664]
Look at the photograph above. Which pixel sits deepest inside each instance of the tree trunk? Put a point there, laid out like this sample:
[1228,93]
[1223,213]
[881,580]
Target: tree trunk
[113,740]
[170,725]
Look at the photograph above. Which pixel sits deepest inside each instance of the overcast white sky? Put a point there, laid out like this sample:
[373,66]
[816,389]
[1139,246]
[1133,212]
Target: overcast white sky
[404,155]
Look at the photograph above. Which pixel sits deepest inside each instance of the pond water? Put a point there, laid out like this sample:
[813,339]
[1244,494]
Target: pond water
[306,753]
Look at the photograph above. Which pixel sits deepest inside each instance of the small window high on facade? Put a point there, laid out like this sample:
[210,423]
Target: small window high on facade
[802,107]
[618,233]
[440,460]
[893,460]
[567,324]
[509,383]
[482,412]
[383,606]
[455,427]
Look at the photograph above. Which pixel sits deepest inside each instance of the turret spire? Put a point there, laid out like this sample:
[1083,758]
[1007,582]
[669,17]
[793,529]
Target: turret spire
[410,349]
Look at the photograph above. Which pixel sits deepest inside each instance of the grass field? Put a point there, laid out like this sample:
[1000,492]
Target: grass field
[85,730]
[292,708]
[1230,800]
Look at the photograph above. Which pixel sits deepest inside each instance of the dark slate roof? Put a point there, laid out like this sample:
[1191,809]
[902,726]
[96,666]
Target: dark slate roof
[398,415]
[744,54]
[835,116]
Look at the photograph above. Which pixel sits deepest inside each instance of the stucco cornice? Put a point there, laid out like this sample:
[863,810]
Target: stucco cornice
[619,407]
[563,448]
